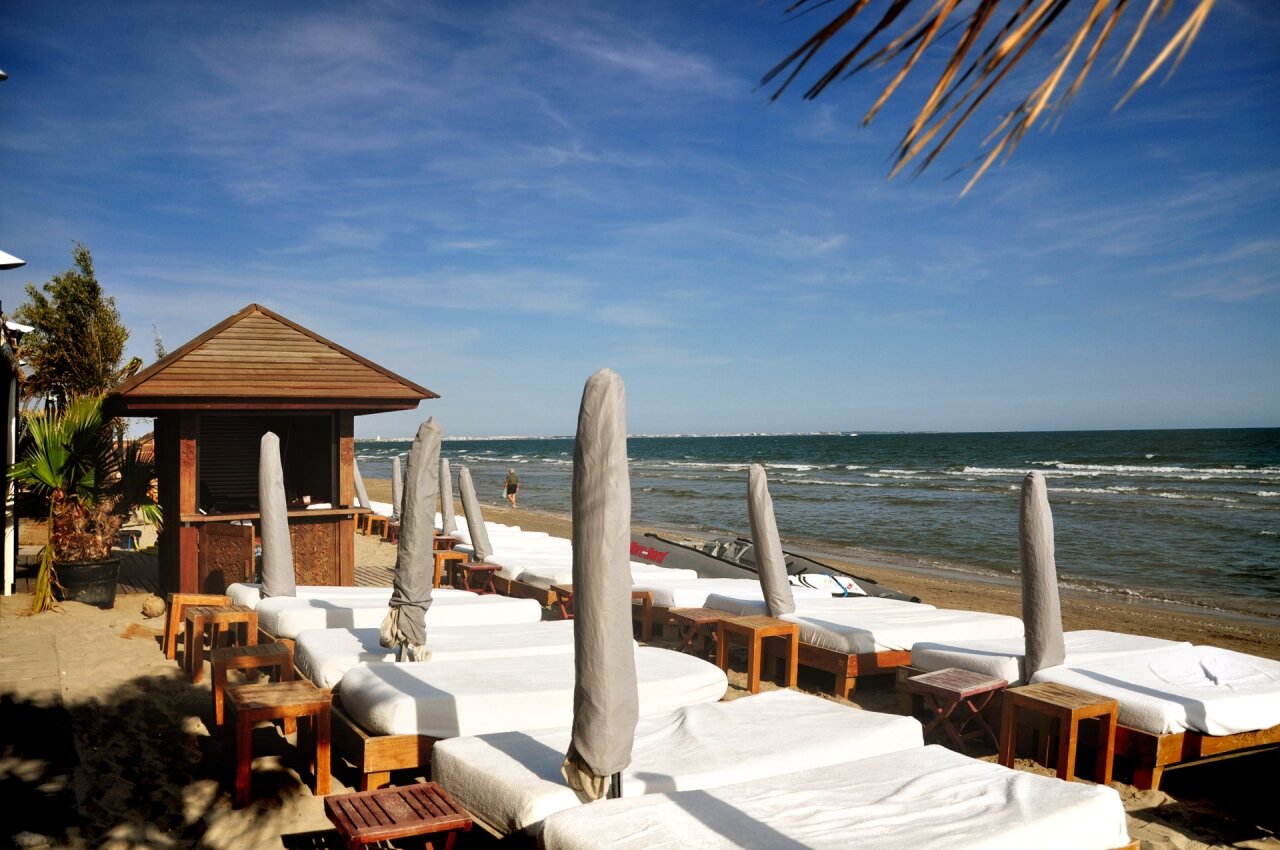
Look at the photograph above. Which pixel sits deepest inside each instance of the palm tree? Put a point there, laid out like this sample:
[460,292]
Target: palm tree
[92,486]
[965,83]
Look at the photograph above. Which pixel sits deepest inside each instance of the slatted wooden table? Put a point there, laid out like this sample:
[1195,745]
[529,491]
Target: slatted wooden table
[200,618]
[251,704]
[442,543]
[486,573]
[389,813]
[176,614]
[1068,706]
[442,556]
[692,620]
[948,690]
[755,630]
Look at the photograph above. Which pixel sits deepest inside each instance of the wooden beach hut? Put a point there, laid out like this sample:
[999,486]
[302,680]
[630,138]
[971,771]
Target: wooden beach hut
[212,400]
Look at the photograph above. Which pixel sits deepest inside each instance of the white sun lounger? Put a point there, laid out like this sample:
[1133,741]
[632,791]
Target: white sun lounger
[287,617]
[511,781]
[389,716]
[927,797]
[325,655]
[1004,658]
[693,593]
[249,594]
[863,636]
[1182,705]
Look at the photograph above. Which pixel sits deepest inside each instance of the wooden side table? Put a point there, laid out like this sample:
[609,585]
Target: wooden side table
[948,690]
[273,657]
[443,556]
[379,522]
[173,620]
[564,598]
[486,573]
[393,532]
[443,544]
[754,630]
[692,621]
[1068,706]
[201,618]
[250,704]
[368,817]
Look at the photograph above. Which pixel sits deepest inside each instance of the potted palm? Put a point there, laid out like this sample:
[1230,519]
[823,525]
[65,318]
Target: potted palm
[93,487]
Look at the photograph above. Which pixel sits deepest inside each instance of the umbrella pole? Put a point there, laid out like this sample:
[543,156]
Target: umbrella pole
[615,787]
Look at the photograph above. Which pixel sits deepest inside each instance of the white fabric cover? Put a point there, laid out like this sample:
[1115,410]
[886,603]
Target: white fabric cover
[548,573]
[743,606]
[1003,657]
[512,780]
[476,697]
[249,594]
[288,617]
[924,798]
[324,655]
[1202,688]
[693,593]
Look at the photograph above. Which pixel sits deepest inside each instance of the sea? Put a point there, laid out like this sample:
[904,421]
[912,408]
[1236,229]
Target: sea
[1182,516]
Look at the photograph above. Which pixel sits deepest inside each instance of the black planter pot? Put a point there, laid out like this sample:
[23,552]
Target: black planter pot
[90,582]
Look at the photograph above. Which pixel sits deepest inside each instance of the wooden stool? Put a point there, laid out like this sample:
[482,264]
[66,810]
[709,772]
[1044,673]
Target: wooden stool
[1068,706]
[200,618]
[444,544]
[564,598]
[486,571]
[443,556]
[274,657]
[692,620]
[379,522]
[251,704]
[393,532]
[369,817]
[754,630]
[178,603]
[951,688]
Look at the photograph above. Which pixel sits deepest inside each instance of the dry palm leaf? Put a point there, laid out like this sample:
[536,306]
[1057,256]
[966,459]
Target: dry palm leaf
[965,82]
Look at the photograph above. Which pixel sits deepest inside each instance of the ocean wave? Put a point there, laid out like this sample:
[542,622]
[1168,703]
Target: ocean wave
[1267,494]
[1166,495]
[824,482]
[1237,471]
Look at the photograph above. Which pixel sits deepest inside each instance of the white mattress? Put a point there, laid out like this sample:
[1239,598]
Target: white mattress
[250,593]
[324,655]
[743,606]
[1004,657]
[890,630]
[512,780]
[287,617]
[927,798]
[1202,688]
[693,593]
[547,574]
[445,699]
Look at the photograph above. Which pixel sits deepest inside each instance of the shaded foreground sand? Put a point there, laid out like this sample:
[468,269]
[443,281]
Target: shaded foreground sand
[103,743]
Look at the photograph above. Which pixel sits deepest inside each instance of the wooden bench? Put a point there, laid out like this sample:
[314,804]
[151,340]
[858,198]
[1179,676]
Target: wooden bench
[249,705]
[369,817]
[1068,706]
[755,630]
[218,620]
[948,690]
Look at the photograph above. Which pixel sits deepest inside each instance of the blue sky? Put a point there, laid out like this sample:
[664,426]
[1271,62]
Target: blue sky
[496,199]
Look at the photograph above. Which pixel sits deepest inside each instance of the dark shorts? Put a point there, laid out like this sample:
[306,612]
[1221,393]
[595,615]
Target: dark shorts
[512,488]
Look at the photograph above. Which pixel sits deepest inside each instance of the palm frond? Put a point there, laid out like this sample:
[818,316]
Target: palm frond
[965,83]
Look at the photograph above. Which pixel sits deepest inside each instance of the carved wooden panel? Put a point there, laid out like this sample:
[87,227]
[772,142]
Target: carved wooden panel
[226,555]
[315,552]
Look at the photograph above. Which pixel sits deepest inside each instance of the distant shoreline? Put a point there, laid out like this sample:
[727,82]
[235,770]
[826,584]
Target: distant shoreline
[958,589]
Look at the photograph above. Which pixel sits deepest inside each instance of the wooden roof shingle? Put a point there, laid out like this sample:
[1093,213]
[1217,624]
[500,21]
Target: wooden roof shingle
[259,360]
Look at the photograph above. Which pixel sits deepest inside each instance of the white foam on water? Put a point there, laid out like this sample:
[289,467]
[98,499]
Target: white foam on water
[1267,494]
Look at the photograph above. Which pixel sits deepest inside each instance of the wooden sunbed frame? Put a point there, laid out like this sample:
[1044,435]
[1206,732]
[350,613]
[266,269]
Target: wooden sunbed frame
[544,596]
[848,666]
[1152,754]
[375,756]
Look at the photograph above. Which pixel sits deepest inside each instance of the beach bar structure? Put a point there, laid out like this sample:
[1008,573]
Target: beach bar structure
[213,399]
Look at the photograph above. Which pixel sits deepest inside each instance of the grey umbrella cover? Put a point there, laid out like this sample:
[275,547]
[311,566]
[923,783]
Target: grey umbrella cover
[273,508]
[397,489]
[1041,608]
[362,495]
[405,624]
[771,564]
[605,703]
[480,546]
[448,522]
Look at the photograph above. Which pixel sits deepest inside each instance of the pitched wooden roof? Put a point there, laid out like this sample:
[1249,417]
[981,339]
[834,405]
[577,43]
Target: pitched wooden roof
[259,360]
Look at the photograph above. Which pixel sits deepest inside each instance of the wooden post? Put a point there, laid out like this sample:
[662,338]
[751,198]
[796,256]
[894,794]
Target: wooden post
[188,547]
[346,498]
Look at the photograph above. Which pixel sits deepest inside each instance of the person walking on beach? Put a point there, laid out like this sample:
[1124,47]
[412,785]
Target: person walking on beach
[513,486]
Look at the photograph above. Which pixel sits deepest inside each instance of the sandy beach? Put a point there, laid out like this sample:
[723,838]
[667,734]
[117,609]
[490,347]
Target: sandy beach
[106,744]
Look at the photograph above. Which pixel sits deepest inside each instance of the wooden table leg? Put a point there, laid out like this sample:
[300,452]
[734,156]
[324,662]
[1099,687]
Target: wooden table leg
[1068,727]
[320,725]
[753,664]
[793,659]
[1007,732]
[219,692]
[1106,748]
[244,760]
[722,648]
[194,649]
